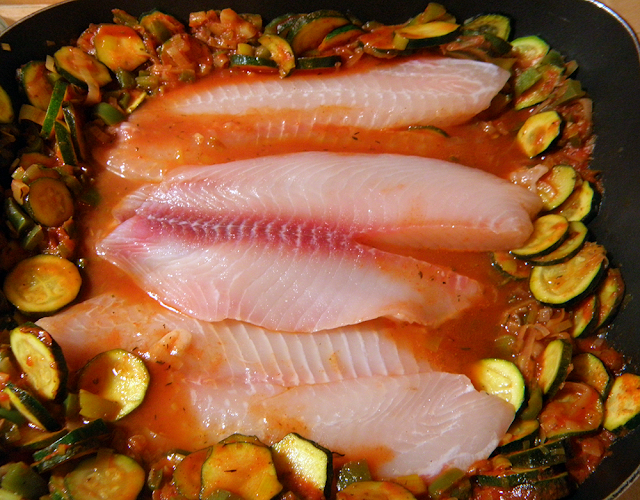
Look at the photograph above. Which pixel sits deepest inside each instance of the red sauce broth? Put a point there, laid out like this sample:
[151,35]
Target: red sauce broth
[452,347]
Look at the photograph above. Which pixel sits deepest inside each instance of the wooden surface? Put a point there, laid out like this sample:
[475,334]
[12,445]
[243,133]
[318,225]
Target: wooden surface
[14,10]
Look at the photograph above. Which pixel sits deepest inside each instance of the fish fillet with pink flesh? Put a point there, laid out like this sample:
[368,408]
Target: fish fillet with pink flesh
[231,114]
[350,389]
[288,242]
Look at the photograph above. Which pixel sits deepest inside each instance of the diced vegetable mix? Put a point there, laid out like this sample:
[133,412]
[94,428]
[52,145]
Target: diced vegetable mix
[565,383]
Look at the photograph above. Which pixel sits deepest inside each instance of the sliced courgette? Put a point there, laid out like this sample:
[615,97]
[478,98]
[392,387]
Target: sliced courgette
[242,468]
[7,113]
[530,49]
[582,205]
[49,202]
[585,316]
[80,68]
[522,435]
[31,408]
[549,232]
[42,284]
[567,283]
[510,266]
[41,360]
[53,110]
[309,30]
[547,454]
[19,478]
[610,294]
[536,85]
[425,35]
[501,378]
[317,63]
[304,467]
[116,375]
[252,63]
[74,121]
[538,132]
[160,26]
[451,483]
[510,478]
[554,366]
[379,490]
[622,408]
[588,368]
[281,52]
[353,472]
[495,24]
[340,36]
[75,444]
[572,244]
[556,186]
[106,475]
[119,47]
[34,79]
[576,408]
[187,476]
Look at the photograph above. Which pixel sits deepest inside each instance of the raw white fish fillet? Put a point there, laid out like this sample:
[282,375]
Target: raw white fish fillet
[352,389]
[231,114]
[288,242]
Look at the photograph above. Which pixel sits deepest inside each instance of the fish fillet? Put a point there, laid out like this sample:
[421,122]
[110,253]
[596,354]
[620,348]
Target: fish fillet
[234,113]
[352,389]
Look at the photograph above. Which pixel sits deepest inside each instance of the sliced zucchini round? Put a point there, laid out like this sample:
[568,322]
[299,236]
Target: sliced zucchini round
[538,132]
[116,375]
[565,284]
[547,454]
[49,202]
[554,366]
[41,360]
[187,475]
[585,316]
[42,284]
[281,52]
[549,232]
[353,472]
[7,114]
[522,435]
[319,62]
[106,475]
[119,47]
[34,79]
[241,468]
[309,30]
[495,24]
[31,408]
[342,35]
[252,63]
[509,478]
[588,368]
[572,244]
[425,35]
[556,186]
[374,490]
[80,68]
[576,408]
[582,205]
[610,294]
[510,266]
[306,468]
[501,378]
[530,49]
[622,408]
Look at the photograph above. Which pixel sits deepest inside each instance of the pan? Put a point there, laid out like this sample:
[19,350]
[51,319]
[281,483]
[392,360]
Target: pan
[609,69]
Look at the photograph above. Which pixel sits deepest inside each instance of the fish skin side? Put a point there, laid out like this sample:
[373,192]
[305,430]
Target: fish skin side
[350,389]
[217,114]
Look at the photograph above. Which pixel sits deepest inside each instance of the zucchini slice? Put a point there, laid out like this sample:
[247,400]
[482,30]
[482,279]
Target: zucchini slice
[160,26]
[116,375]
[554,366]
[55,105]
[572,244]
[42,284]
[374,490]
[430,34]
[495,24]
[610,294]
[549,232]
[510,478]
[582,205]
[119,47]
[304,467]
[544,455]
[187,475]
[556,186]
[622,408]
[34,79]
[567,283]
[530,49]
[316,63]
[342,35]
[281,53]
[538,132]
[588,368]
[77,443]
[252,63]
[31,408]
[501,378]
[576,408]
[510,266]
[309,30]
[585,316]
[452,483]
[80,68]
[106,475]
[41,360]
[522,435]
[22,480]
[241,468]
[49,202]
[7,114]
[352,472]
